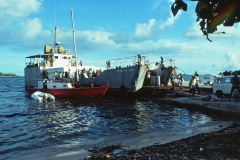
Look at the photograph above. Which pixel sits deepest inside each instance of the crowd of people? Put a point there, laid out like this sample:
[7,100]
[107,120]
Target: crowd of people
[193,84]
[69,75]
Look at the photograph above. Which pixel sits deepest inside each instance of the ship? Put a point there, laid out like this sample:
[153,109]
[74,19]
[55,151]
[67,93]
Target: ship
[127,76]
[50,73]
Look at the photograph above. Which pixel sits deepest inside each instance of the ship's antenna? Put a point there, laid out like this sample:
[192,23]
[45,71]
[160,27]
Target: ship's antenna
[55,29]
[75,48]
[54,13]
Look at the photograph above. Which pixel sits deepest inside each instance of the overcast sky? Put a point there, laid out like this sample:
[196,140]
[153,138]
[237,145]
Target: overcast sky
[110,29]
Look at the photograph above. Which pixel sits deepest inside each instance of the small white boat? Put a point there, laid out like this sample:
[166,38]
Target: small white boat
[40,96]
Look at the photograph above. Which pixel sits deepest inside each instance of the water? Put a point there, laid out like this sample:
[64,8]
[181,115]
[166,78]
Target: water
[31,129]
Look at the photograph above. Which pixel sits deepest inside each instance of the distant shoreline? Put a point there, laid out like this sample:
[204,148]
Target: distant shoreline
[8,75]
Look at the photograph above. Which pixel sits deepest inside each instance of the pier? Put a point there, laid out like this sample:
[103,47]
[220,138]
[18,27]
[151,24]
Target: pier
[182,98]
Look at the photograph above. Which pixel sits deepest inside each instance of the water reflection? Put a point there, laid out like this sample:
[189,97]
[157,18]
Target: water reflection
[63,119]
[143,114]
[73,123]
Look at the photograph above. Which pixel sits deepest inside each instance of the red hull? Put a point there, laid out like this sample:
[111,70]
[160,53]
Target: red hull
[86,92]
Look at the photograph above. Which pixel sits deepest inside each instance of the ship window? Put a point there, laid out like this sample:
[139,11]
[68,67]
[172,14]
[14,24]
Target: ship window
[64,85]
[64,57]
[69,58]
[56,57]
[54,86]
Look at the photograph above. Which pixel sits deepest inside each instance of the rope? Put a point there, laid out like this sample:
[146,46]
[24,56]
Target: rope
[182,70]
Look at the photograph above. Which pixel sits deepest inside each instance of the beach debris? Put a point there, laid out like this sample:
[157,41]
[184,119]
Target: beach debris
[222,144]
[107,156]
[214,98]
[211,98]
[105,152]
[207,98]
[116,151]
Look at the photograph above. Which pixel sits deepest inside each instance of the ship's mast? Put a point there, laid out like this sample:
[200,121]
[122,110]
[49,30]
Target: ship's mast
[75,48]
[55,36]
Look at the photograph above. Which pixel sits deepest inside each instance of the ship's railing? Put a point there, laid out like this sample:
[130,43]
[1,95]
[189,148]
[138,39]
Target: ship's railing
[37,61]
[164,63]
[126,61]
[73,63]
[169,63]
[37,64]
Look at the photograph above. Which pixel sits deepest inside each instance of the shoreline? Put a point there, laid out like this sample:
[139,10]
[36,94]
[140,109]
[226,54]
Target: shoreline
[128,144]
[221,144]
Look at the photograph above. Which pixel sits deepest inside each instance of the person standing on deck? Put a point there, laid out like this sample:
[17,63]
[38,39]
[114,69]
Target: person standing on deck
[45,74]
[235,84]
[60,75]
[55,74]
[68,75]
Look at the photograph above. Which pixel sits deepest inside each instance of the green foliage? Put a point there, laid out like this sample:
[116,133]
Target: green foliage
[212,13]
[227,73]
[8,74]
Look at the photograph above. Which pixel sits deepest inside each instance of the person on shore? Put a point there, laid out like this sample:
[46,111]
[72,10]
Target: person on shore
[197,80]
[192,85]
[180,80]
[235,84]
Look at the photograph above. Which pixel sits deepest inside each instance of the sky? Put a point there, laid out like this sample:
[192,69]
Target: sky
[110,29]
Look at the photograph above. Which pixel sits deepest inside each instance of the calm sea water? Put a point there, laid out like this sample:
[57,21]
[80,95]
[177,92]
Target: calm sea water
[30,129]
